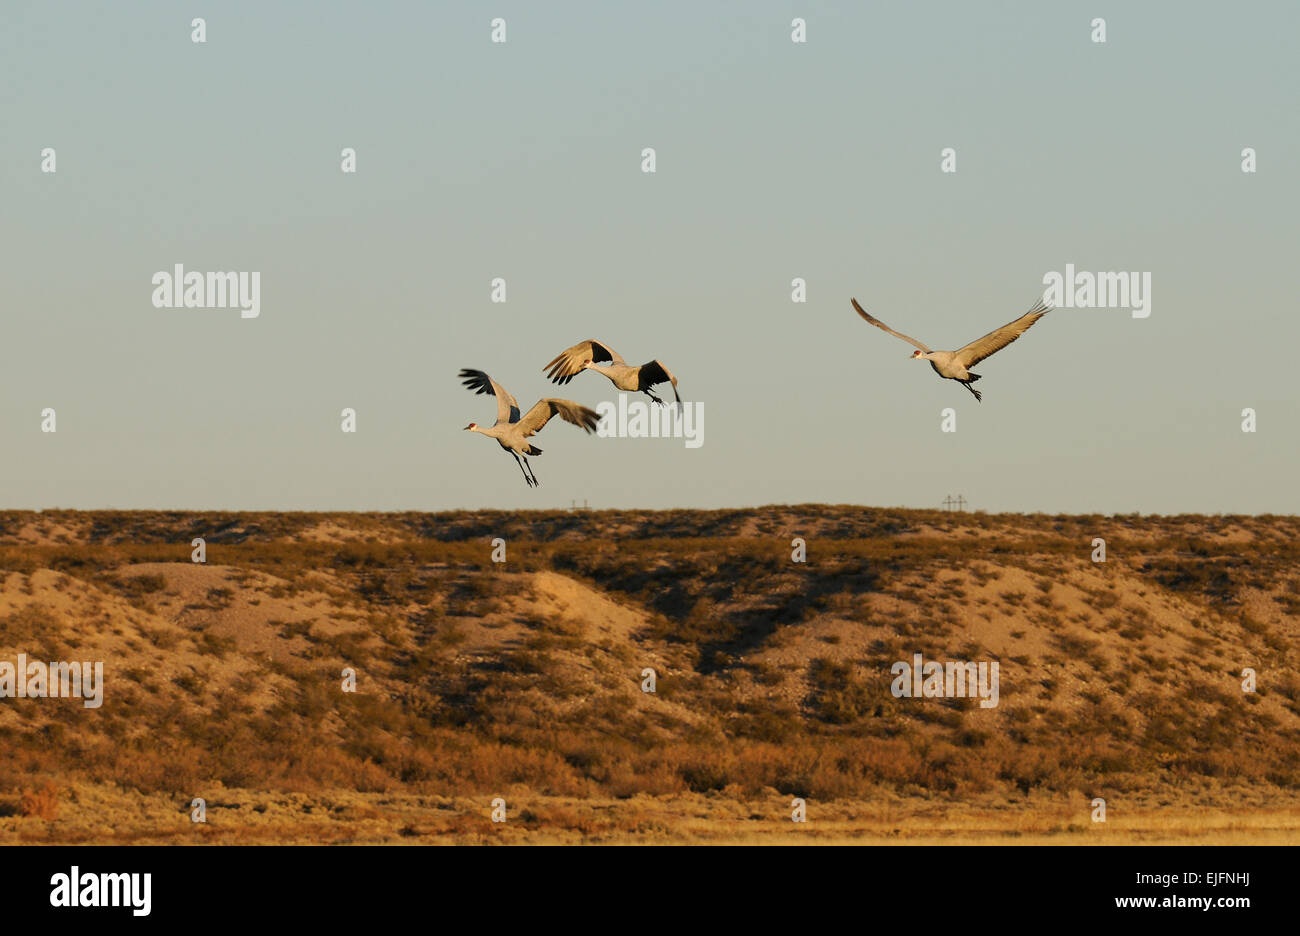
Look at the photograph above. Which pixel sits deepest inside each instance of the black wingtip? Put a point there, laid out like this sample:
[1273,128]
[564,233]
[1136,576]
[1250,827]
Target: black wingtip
[477,380]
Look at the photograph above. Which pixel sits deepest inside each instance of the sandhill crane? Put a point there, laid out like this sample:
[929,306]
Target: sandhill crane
[512,431]
[954,364]
[588,355]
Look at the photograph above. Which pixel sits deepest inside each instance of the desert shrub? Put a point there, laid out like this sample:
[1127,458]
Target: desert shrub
[838,696]
[42,803]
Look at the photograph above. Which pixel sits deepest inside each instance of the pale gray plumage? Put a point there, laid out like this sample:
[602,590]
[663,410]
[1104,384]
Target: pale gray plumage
[592,355]
[512,430]
[955,365]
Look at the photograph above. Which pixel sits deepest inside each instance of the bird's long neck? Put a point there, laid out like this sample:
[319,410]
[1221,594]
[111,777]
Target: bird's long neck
[605,369]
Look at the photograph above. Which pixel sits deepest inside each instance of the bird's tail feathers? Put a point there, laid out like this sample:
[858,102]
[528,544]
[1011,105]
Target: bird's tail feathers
[534,450]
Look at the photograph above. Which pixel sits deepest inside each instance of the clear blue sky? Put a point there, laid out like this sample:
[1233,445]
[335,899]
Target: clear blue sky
[522,160]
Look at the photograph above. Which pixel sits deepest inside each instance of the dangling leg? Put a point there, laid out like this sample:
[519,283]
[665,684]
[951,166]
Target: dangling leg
[536,483]
[653,397]
[966,384]
[521,468]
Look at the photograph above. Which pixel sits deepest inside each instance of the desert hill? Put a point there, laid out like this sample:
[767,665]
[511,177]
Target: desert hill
[523,679]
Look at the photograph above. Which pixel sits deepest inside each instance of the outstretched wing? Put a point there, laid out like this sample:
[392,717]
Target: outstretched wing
[571,412]
[881,325]
[655,373]
[568,363]
[995,341]
[480,382]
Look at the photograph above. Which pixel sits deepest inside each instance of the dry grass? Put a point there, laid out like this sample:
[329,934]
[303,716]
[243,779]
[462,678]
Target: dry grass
[1120,680]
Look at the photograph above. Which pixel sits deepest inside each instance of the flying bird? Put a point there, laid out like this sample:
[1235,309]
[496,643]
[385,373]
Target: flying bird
[955,365]
[512,431]
[590,355]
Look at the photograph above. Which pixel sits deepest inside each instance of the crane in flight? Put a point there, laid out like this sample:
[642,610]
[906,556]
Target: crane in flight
[955,365]
[590,355]
[512,430]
